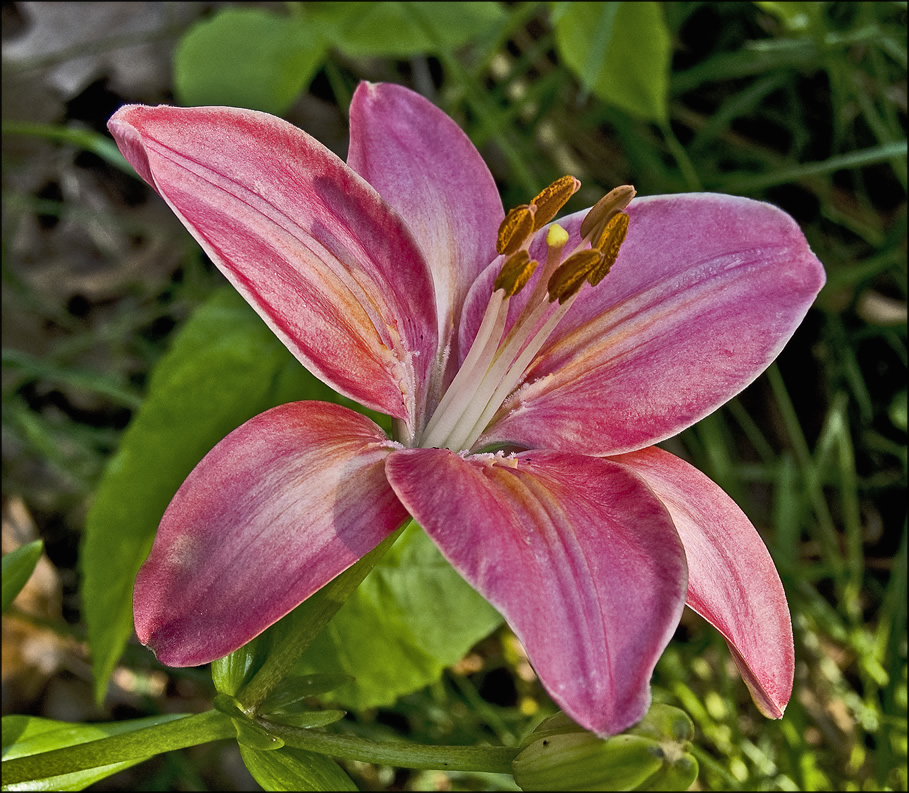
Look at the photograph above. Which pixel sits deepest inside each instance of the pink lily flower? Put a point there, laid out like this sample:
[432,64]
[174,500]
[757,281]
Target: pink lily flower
[526,399]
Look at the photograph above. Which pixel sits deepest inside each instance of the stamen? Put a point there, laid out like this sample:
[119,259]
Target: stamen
[609,242]
[551,199]
[515,273]
[515,229]
[478,359]
[463,431]
[603,210]
[516,371]
[570,277]
[494,366]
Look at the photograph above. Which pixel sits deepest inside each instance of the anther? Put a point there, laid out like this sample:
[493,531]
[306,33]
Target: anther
[608,243]
[570,277]
[606,208]
[551,199]
[515,273]
[515,229]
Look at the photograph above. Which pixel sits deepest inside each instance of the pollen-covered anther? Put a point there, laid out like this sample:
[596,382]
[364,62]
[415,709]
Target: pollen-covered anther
[572,274]
[551,199]
[515,272]
[605,209]
[608,243]
[516,229]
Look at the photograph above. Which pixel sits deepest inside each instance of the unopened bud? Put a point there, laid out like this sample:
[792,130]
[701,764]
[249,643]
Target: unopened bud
[653,755]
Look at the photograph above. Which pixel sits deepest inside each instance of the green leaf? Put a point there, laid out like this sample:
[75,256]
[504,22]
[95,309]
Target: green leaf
[289,768]
[18,567]
[392,29]
[290,692]
[309,719]
[412,616]
[620,51]
[797,17]
[247,57]
[225,366]
[80,750]
[24,736]
[253,736]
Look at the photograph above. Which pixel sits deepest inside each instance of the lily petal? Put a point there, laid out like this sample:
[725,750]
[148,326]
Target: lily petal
[425,167]
[576,553]
[732,581]
[706,291]
[329,266]
[277,509]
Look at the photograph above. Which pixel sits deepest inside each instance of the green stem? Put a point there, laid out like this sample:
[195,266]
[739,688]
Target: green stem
[486,759]
[144,743]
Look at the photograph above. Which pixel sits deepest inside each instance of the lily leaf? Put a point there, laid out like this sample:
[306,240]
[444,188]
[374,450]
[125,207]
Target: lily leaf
[412,616]
[247,57]
[287,696]
[620,51]
[224,367]
[18,567]
[394,29]
[289,768]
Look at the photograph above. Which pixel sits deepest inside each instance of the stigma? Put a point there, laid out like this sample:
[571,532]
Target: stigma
[496,362]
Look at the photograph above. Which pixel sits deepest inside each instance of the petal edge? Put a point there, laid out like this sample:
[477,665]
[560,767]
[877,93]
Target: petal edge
[732,580]
[576,553]
[277,509]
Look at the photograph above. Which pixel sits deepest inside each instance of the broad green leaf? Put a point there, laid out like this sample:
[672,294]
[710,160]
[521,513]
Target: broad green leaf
[247,57]
[396,29]
[18,567]
[225,366]
[412,616]
[289,768]
[24,736]
[620,51]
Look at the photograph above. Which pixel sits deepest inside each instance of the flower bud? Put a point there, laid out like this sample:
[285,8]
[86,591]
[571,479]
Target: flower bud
[652,755]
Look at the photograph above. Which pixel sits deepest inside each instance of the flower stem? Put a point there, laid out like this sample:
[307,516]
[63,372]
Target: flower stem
[128,746]
[487,759]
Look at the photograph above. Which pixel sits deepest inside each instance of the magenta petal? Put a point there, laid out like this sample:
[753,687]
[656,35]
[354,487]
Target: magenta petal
[576,553]
[276,510]
[732,581]
[424,165]
[321,257]
[706,291]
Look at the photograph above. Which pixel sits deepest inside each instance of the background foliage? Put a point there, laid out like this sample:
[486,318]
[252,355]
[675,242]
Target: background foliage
[125,360]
